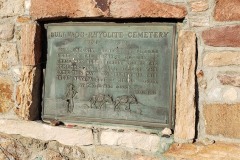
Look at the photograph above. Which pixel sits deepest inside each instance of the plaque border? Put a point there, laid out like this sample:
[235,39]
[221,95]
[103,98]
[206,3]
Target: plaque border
[172,87]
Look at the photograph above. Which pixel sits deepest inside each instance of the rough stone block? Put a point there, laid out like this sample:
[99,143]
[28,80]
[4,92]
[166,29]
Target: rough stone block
[31,44]
[226,10]
[11,8]
[46,9]
[145,8]
[131,139]
[223,58]
[8,56]
[29,93]
[185,88]
[230,78]
[222,36]
[66,136]
[10,149]
[199,6]
[199,21]
[217,151]
[6,91]
[142,157]
[222,119]
[113,152]
[6,31]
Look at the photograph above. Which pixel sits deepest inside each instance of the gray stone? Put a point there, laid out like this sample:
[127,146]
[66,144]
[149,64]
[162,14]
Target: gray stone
[131,140]
[6,31]
[230,95]
[8,56]
[9,8]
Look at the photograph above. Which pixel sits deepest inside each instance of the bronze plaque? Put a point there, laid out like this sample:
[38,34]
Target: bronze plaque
[110,73]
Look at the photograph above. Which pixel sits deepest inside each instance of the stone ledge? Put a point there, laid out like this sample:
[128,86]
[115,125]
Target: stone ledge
[131,140]
[66,136]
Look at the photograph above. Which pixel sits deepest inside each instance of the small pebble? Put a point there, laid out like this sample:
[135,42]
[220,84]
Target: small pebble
[167,131]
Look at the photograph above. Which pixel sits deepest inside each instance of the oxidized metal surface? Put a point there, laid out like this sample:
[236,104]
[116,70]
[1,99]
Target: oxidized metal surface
[107,72]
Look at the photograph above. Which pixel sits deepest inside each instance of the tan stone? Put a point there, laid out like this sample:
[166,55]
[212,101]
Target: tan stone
[66,136]
[185,87]
[12,150]
[217,151]
[6,31]
[115,153]
[222,119]
[52,155]
[145,8]
[6,91]
[222,36]
[226,10]
[141,157]
[23,19]
[199,21]
[29,94]
[130,140]
[46,9]
[199,6]
[11,8]
[8,56]
[230,95]
[230,78]
[222,58]
[31,44]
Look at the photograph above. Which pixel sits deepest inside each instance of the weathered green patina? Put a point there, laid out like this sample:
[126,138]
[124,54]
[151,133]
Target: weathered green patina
[108,72]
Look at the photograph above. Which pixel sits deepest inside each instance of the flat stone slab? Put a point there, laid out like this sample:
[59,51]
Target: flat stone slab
[131,140]
[66,136]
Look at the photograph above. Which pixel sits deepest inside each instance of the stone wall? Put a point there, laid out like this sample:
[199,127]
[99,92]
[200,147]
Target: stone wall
[208,78]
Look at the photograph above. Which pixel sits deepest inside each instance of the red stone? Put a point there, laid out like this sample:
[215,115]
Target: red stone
[49,9]
[53,9]
[31,44]
[145,8]
[222,37]
[227,10]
